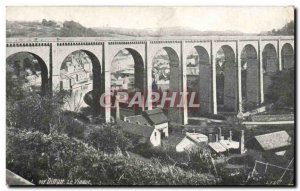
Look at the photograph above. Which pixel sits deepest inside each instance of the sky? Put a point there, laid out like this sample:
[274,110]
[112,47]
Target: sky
[243,19]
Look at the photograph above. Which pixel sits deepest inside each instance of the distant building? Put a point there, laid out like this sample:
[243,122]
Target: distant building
[192,60]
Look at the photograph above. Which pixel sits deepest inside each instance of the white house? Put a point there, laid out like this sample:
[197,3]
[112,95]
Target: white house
[151,126]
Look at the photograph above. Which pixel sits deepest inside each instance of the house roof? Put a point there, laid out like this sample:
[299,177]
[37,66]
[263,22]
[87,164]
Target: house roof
[273,140]
[217,147]
[173,140]
[227,144]
[224,145]
[156,116]
[197,137]
[135,129]
[138,119]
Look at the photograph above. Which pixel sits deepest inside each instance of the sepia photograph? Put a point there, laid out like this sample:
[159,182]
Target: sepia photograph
[150,96]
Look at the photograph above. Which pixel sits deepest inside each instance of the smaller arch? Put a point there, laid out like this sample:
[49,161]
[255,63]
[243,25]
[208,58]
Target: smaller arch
[287,56]
[270,60]
[249,52]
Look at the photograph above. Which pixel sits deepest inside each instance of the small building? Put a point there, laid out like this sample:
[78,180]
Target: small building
[151,125]
[225,146]
[276,143]
[191,142]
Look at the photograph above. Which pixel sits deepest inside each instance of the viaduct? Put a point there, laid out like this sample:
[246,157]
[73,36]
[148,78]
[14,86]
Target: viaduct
[264,55]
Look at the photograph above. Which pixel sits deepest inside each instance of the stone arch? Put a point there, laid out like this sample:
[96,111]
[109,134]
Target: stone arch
[173,67]
[43,67]
[128,78]
[226,74]
[269,58]
[138,68]
[249,77]
[167,77]
[270,64]
[199,78]
[80,74]
[287,56]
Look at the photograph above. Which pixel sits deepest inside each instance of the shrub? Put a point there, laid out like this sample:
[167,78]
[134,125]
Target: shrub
[109,139]
[196,160]
[281,91]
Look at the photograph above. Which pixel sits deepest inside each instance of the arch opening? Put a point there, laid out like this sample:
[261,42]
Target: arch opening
[166,77]
[199,80]
[249,77]
[270,65]
[80,75]
[226,79]
[287,56]
[31,69]
[127,75]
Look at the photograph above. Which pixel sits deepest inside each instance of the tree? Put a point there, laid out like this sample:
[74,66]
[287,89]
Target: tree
[287,29]
[37,112]
[74,29]
[281,91]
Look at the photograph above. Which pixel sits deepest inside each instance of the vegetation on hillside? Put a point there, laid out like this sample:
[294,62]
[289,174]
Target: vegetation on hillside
[48,144]
[47,28]
[37,156]
[50,28]
[287,29]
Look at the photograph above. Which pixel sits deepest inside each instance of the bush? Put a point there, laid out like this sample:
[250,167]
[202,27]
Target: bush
[36,112]
[109,139]
[197,160]
[37,156]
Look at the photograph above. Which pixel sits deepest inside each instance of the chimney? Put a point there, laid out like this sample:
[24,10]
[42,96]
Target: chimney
[242,142]
[230,135]
[220,133]
[117,108]
[210,138]
[217,137]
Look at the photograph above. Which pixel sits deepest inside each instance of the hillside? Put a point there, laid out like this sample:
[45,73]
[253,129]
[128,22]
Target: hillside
[166,31]
[287,29]
[47,29]
[74,29]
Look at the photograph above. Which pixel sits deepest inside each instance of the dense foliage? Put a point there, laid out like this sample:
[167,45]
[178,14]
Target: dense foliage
[287,29]
[281,91]
[37,156]
[45,112]
[109,139]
